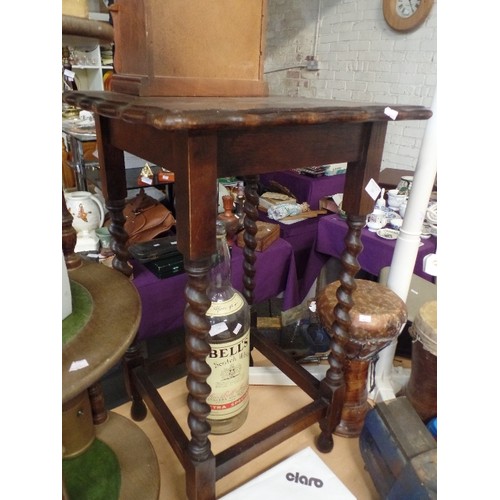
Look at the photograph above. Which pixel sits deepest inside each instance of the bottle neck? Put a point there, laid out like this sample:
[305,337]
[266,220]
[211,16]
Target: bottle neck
[220,272]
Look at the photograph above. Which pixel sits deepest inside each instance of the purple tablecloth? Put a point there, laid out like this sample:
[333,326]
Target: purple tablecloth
[301,235]
[163,300]
[307,189]
[376,254]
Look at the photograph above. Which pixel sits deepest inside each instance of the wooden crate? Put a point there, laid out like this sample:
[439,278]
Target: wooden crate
[195,48]
[267,233]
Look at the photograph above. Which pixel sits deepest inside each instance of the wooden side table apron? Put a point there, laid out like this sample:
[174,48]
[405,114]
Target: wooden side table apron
[202,139]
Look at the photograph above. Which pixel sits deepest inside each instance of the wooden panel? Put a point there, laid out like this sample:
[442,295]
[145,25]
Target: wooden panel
[220,38]
[283,148]
[195,48]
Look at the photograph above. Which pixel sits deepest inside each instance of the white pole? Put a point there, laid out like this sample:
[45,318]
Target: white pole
[405,253]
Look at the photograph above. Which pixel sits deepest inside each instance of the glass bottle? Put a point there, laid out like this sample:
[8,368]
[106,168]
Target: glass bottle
[229,339]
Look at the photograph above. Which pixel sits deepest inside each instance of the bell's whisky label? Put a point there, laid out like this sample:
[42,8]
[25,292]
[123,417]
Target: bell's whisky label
[229,362]
[226,307]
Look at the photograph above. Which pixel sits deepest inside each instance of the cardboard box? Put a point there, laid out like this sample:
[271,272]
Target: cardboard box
[266,234]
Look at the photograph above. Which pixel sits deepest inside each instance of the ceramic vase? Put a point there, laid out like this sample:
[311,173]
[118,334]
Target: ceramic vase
[88,215]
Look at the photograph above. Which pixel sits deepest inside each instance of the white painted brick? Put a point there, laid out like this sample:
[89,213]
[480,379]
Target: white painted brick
[369,56]
[359,45]
[362,96]
[387,77]
[341,95]
[372,35]
[381,87]
[357,86]
[364,25]
[364,76]
[345,32]
[380,66]
[393,56]
[412,78]
[382,45]
[346,76]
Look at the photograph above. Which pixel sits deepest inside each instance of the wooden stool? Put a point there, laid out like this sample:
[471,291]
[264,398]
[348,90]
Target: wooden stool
[421,390]
[377,317]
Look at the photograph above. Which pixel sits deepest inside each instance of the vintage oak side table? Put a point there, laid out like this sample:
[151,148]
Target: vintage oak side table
[201,139]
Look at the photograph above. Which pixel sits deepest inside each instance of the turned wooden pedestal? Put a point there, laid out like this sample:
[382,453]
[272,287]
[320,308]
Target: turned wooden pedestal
[376,319]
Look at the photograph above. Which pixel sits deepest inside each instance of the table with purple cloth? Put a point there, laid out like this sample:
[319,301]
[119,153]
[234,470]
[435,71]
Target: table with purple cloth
[301,235]
[377,252]
[163,300]
[305,188]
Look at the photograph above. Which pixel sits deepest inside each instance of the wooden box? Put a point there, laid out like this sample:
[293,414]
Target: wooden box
[189,48]
[266,234]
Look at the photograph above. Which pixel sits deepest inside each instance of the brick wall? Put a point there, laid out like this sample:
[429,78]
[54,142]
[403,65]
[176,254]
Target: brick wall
[360,58]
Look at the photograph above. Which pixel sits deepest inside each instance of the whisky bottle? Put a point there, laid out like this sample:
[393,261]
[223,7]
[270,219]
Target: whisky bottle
[229,339]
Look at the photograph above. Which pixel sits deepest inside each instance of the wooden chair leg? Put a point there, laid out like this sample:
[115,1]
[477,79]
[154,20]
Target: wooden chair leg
[133,358]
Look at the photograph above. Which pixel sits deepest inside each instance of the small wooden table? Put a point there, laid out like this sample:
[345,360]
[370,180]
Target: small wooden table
[204,138]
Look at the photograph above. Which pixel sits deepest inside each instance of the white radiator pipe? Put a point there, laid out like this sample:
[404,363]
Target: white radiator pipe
[387,381]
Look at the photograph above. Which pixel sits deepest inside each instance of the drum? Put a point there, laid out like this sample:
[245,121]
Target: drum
[377,317]
[421,390]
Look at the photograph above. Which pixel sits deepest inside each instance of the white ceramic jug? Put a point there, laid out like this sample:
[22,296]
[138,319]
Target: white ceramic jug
[88,215]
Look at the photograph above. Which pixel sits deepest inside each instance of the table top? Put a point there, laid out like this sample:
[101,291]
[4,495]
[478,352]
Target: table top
[182,113]
[105,333]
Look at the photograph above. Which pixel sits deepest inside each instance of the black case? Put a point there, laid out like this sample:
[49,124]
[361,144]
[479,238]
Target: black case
[158,248]
[164,268]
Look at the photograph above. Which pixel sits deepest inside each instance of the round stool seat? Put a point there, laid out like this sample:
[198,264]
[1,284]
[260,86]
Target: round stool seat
[377,317]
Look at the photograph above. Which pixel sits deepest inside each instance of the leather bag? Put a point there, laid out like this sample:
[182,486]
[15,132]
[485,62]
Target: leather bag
[146,218]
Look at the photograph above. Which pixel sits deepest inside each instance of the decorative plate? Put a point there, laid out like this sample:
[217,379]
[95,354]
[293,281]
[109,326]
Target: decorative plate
[388,234]
[390,215]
